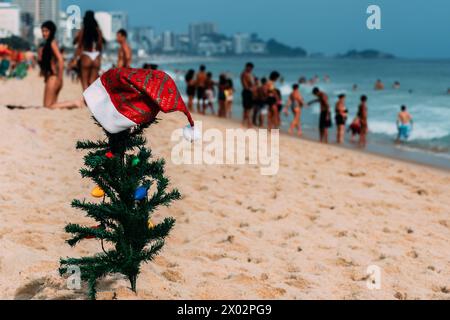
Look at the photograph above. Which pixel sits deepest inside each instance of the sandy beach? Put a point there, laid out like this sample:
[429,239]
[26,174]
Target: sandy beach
[309,232]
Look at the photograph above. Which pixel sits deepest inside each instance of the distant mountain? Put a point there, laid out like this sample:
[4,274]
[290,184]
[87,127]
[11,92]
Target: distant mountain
[275,48]
[366,54]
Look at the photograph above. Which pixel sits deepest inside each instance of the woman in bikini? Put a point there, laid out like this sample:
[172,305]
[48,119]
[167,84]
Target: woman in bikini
[89,50]
[295,101]
[51,63]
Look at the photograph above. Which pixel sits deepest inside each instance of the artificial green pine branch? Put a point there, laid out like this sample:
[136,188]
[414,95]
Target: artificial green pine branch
[122,221]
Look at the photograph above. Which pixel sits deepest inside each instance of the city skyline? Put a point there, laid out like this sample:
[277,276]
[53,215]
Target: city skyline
[414,30]
[337,33]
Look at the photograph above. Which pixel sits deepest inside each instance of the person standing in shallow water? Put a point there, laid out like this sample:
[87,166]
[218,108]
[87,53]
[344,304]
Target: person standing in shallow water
[190,88]
[221,96]
[295,102]
[325,114]
[272,100]
[247,81]
[340,118]
[404,124]
[200,84]
[363,115]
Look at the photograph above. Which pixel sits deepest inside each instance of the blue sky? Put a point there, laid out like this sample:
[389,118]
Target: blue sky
[410,28]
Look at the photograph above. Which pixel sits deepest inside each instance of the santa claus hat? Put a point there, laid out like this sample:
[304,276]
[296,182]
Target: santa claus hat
[123,98]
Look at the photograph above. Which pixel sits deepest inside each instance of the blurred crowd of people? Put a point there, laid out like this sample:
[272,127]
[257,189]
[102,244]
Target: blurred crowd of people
[15,63]
[263,105]
[262,101]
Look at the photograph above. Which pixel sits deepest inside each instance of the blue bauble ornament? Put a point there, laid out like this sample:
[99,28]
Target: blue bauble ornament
[140,193]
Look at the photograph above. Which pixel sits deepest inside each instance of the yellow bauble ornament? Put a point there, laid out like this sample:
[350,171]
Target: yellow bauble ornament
[98,192]
[150,224]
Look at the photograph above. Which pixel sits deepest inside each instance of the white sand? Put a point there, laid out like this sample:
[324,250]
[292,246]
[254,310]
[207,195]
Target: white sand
[309,232]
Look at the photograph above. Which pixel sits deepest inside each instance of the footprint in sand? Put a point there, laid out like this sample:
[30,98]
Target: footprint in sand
[356,174]
[172,276]
[298,282]
[31,240]
[40,288]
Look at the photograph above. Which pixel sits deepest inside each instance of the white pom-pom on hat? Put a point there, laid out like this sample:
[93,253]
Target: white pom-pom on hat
[191,134]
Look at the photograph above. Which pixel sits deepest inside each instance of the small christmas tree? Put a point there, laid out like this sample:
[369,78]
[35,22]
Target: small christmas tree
[121,167]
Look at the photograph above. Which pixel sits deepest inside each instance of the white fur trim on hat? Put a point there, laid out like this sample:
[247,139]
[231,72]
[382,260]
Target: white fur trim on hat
[101,106]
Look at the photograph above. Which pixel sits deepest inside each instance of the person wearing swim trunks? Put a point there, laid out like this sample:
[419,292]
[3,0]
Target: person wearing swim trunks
[404,124]
[295,101]
[247,81]
[200,83]
[325,114]
[125,55]
[340,118]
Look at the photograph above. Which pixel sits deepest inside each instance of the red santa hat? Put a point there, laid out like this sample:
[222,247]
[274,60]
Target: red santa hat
[123,98]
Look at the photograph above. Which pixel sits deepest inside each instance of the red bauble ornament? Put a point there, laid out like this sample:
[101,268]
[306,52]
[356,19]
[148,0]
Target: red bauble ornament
[92,237]
[109,155]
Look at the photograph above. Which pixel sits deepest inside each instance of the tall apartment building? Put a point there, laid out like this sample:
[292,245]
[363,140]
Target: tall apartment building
[40,10]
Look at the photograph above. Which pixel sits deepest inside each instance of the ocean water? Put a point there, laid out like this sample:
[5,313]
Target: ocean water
[424,85]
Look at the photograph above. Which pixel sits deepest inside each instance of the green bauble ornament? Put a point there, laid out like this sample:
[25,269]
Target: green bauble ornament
[135,161]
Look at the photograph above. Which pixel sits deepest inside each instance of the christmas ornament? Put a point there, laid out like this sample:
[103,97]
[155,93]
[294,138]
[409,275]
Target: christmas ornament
[124,97]
[109,155]
[150,224]
[135,161]
[98,192]
[141,193]
[95,228]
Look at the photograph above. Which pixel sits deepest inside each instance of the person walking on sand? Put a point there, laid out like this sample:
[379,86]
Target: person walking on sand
[51,63]
[340,118]
[363,123]
[404,124]
[272,100]
[89,48]
[200,83]
[325,114]
[189,78]
[247,81]
[125,55]
[295,102]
